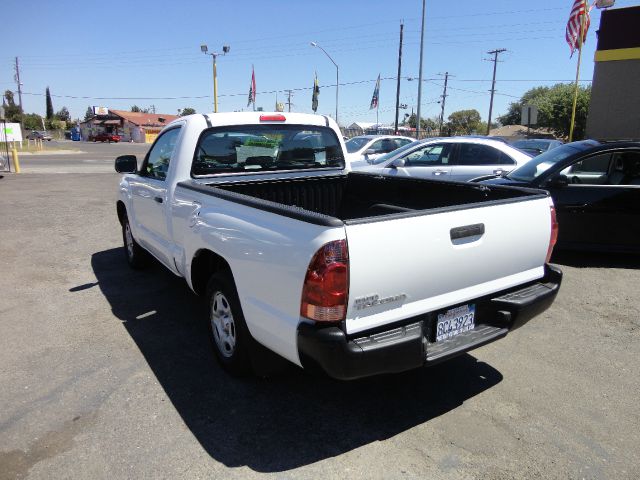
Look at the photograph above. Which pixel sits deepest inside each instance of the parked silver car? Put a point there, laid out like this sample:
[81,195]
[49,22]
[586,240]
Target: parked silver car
[364,149]
[454,158]
[39,135]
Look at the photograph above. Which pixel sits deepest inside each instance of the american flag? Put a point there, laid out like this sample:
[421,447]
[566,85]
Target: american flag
[252,89]
[376,95]
[580,9]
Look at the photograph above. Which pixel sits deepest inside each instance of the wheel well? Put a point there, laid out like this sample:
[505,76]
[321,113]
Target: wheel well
[122,211]
[204,264]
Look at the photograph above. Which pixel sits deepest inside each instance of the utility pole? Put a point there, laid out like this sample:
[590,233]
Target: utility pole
[289,95]
[495,54]
[19,90]
[420,74]
[395,130]
[444,99]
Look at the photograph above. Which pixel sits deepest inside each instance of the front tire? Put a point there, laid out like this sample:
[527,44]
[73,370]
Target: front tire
[137,257]
[228,332]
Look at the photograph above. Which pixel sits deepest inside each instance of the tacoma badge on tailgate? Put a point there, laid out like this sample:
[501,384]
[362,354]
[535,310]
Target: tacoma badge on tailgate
[373,300]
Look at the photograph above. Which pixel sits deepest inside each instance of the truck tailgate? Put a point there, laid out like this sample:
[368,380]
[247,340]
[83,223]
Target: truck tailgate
[410,265]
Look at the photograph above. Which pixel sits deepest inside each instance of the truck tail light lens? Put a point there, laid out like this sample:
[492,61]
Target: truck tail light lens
[272,118]
[326,285]
[554,233]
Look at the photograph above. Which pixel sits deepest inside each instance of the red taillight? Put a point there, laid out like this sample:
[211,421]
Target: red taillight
[272,118]
[326,286]
[554,233]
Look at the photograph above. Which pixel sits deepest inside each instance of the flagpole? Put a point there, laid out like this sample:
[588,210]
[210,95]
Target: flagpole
[575,93]
[377,111]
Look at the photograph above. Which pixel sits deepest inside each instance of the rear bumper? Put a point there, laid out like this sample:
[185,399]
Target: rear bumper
[412,344]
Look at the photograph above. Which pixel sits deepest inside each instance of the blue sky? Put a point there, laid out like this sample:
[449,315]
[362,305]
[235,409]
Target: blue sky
[117,54]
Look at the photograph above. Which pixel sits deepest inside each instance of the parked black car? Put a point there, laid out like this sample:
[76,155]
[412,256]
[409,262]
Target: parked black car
[595,187]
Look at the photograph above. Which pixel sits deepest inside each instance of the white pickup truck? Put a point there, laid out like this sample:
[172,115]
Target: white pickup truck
[355,273]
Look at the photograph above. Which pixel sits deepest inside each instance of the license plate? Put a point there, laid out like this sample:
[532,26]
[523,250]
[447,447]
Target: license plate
[455,321]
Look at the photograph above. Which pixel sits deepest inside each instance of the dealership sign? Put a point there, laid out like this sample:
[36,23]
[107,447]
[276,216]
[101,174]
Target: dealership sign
[10,132]
[100,110]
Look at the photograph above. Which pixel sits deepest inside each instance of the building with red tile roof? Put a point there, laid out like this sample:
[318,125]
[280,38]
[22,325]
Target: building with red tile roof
[136,127]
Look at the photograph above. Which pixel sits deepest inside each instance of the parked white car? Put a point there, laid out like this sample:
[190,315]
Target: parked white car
[364,149]
[454,158]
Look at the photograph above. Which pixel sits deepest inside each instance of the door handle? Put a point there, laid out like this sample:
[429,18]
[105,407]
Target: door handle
[439,172]
[466,231]
[498,171]
[158,199]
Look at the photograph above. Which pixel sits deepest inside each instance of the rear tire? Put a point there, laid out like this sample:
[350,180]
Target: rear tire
[228,332]
[137,257]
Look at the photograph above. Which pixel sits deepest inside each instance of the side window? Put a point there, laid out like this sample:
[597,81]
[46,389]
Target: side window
[592,171]
[472,154]
[626,169]
[157,163]
[401,142]
[428,156]
[506,159]
[596,164]
[376,147]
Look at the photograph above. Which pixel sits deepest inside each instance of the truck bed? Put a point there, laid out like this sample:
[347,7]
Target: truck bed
[358,196]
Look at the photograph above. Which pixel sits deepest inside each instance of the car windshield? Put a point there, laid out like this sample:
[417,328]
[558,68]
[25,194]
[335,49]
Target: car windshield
[387,156]
[540,164]
[356,143]
[255,148]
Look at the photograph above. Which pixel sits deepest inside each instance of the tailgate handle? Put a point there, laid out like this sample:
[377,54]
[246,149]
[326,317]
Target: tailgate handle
[467,231]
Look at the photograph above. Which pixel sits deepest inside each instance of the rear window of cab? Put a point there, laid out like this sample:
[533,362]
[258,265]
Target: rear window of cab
[265,148]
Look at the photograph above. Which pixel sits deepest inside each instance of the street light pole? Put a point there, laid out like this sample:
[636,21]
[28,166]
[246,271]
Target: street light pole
[214,55]
[314,44]
[420,74]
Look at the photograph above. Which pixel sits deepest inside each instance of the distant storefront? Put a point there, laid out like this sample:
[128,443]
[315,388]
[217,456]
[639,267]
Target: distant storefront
[135,127]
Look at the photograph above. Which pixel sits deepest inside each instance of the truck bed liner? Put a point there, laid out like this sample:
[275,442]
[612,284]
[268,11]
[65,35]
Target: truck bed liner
[358,196]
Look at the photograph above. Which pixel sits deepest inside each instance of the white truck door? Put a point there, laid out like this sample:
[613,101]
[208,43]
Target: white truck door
[149,197]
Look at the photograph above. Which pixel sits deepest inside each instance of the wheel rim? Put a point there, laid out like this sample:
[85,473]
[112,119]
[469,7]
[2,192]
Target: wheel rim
[128,239]
[222,325]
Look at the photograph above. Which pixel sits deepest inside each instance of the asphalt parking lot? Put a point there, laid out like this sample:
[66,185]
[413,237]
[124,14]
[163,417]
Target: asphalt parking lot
[107,373]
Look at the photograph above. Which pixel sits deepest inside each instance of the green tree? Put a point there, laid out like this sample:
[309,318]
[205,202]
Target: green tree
[426,124]
[32,121]
[88,114]
[64,115]
[186,111]
[135,109]
[535,96]
[464,122]
[12,112]
[49,105]
[554,109]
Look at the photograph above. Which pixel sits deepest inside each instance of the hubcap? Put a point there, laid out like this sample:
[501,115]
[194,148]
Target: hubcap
[128,239]
[222,324]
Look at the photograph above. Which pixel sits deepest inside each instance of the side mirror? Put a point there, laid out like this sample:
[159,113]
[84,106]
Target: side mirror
[558,181]
[398,163]
[371,151]
[126,164]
